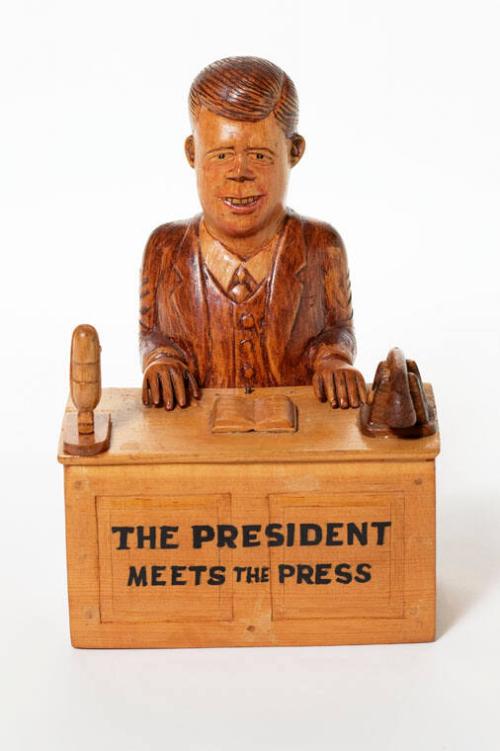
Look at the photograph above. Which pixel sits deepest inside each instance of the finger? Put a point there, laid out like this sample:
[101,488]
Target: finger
[352,388]
[178,384]
[363,397]
[330,389]
[318,387]
[146,394]
[166,387]
[193,384]
[341,389]
[154,385]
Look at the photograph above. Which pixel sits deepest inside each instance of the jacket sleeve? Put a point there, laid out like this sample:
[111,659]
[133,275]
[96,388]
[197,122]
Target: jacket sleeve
[153,344]
[337,338]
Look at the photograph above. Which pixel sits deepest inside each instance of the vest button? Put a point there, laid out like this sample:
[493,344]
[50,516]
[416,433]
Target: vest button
[246,346]
[248,372]
[247,321]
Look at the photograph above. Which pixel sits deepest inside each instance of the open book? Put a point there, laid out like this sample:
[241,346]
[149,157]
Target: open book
[241,414]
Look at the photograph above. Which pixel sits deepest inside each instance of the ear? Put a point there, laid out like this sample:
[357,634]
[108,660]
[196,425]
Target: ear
[297,148]
[189,150]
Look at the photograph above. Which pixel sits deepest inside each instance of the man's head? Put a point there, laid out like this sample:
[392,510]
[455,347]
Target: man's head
[244,111]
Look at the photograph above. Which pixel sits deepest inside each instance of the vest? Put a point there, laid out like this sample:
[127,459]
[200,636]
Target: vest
[237,354]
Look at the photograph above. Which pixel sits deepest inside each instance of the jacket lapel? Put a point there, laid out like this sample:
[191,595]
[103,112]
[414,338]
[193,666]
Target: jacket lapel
[285,292]
[188,295]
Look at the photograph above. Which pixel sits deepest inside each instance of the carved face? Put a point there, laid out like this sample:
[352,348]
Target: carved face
[242,171]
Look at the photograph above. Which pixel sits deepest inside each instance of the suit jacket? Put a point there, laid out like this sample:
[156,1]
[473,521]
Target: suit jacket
[308,309]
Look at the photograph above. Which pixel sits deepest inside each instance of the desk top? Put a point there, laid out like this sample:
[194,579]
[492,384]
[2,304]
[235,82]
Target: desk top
[141,435]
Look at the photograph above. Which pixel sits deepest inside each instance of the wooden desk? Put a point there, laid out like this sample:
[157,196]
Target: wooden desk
[323,536]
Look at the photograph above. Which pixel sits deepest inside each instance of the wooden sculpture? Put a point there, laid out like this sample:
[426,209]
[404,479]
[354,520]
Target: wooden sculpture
[86,433]
[258,516]
[248,293]
[397,403]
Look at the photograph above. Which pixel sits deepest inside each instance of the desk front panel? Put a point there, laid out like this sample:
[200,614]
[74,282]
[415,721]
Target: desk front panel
[254,554]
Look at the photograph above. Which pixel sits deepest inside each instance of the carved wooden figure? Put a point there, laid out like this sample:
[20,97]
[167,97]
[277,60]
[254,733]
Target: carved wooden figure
[86,434]
[248,293]
[397,403]
[257,516]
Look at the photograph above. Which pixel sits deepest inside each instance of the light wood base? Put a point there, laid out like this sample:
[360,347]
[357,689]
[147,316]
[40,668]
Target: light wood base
[370,579]
[78,444]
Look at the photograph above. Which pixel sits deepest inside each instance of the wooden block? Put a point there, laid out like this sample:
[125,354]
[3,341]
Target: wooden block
[178,537]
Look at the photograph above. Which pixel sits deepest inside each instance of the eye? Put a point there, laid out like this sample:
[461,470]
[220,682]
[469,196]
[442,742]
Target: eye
[261,156]
[220,156]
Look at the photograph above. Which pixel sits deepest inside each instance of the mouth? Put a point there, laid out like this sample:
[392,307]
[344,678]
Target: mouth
[242,204]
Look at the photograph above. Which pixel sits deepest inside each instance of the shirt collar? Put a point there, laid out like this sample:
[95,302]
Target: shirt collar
[222,263]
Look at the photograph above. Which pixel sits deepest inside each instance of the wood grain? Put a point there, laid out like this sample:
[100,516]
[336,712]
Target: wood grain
[86,444]
[283,314]
[397,404]
[85,433]
[178,536]
[158,472]
[150,436]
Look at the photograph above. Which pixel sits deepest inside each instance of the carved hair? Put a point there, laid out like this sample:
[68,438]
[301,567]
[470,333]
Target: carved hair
[246,88]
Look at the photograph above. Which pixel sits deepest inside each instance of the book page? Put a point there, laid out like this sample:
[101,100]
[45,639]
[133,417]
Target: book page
[232,414]
[275,413]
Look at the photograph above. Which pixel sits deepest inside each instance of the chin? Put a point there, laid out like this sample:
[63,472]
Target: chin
[238,225]
[242,227]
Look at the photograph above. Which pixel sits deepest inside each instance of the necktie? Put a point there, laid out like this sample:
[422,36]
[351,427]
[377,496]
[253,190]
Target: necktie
[242,285]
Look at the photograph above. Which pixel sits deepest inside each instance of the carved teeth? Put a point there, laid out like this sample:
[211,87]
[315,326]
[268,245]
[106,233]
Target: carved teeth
[233,201]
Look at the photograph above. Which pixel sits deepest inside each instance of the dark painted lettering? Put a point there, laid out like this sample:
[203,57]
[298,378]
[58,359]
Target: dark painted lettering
[217,575]
[202,533]
[285,571]
[250,532]
[343,574]
[304,574]
[381,527]
[156,576]
[226,536]
[137,579]
[310,534]
[124,532]
[177,579]
[355,532]
[143,537]
[274,536]
[322,575]
[363,573]
[166,534]
[332,533]
[198,571]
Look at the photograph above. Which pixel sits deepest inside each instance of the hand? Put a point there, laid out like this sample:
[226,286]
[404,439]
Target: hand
[168,381]
[339,383]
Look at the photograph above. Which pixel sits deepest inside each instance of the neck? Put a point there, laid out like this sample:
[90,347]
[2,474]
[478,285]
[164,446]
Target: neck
[248,246]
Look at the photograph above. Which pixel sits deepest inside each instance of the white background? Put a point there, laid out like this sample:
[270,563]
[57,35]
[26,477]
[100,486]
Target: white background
[400,111]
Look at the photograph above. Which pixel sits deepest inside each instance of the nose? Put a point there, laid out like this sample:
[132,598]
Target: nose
[240,171]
